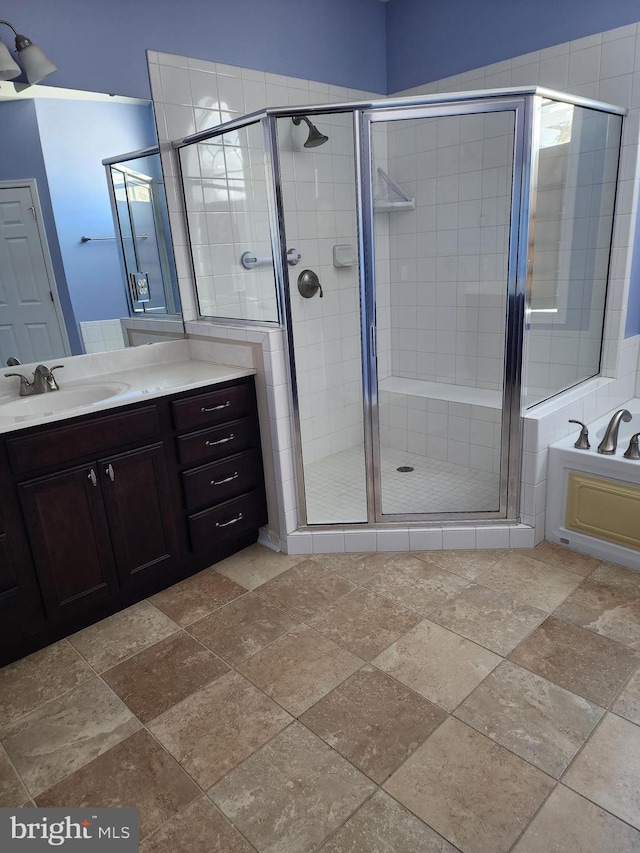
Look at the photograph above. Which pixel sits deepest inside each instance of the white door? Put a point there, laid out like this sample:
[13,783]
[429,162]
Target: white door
[30,326]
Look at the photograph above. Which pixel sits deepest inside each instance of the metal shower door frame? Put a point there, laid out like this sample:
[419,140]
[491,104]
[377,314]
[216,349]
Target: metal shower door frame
[526,102]
[524,109]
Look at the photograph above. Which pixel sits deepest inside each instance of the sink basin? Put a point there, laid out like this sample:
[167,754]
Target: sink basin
[53,402]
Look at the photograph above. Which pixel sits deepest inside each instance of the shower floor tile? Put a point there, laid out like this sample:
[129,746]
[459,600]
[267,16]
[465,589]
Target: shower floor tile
[335,486]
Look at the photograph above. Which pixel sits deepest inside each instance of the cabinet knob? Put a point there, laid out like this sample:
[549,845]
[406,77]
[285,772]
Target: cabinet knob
[110,472]
[92,476]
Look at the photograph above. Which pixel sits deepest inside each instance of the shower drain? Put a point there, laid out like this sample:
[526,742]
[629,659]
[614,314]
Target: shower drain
[404,469]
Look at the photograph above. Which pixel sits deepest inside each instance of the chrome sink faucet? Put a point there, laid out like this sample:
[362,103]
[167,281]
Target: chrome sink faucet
[43,380]
[610,439]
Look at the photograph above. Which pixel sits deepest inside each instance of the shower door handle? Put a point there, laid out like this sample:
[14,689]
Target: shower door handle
[373,340]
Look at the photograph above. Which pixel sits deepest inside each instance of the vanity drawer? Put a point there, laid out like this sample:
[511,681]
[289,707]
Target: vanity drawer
[216,443]
[73,442]
[221,481]
[215,407]
[229,520]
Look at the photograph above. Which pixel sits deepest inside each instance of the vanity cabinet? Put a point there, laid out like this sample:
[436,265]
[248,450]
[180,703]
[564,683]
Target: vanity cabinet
[139,511]
[69,536]
[106,509]
[19,599]
[228,489]
[99,527]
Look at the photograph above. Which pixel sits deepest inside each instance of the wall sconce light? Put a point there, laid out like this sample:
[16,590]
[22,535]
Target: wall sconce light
[35,64]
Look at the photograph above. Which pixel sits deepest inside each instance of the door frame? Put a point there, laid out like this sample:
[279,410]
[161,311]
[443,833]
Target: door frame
[511,431]
[32,185]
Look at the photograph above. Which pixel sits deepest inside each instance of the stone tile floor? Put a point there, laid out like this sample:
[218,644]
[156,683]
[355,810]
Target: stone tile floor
[481,701]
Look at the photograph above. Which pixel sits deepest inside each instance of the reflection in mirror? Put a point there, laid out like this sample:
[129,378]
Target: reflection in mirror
[140,210]
[60,295]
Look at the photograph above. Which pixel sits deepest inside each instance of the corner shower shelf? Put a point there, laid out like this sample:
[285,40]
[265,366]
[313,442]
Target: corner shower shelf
[390,196]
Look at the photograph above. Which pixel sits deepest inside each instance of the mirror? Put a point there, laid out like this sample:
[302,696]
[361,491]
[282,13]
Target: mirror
[77,238]
[140,212]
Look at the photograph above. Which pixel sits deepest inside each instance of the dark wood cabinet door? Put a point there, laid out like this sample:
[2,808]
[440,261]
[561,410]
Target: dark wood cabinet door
[18,609]
[140,512]
[69,536]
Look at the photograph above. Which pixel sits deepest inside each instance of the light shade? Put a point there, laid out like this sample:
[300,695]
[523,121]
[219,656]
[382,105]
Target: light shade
[35,64]
[9,69]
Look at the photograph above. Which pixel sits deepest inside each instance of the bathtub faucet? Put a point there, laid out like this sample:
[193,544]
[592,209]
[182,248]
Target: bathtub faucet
[610,440]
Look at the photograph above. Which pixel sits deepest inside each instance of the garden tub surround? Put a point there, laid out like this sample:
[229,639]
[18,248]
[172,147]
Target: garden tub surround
[548,422]
[130,376]
[593,500]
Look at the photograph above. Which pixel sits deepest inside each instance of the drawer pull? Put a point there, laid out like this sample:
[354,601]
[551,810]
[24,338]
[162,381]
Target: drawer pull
[226,480]
[220,441]
[238,517]
[110,472]
[92,476]
[216,408]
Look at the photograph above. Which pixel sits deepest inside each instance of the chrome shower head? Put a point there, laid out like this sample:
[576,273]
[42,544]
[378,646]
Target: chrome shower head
[315,138]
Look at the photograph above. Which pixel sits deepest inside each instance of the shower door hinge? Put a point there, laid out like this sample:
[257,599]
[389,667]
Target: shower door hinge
[372,336]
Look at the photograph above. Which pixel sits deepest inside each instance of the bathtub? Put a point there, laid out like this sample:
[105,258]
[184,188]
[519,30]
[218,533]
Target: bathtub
[609,483]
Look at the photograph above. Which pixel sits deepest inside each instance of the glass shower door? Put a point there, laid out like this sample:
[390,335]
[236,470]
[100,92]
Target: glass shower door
[318,186]
[442,188]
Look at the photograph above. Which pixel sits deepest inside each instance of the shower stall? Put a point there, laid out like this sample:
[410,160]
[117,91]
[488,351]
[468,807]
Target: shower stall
[439,263]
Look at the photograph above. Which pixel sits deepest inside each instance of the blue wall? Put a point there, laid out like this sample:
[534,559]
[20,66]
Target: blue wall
[101,46]
[76,136]
[20,158]
[438,38]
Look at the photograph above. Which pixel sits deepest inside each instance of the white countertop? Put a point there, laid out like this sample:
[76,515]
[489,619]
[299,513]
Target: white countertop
[133,385]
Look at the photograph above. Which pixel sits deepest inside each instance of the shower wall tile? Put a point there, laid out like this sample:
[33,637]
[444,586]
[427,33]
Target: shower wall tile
[521,536]
[492,537]
[553,71]
[605,66]
[392,540]
[425,540]
[190,95]
[447,265]
[319,203]
[461,433]
[102,335]
[601,67]
[328,543]
[455,538]
[360,541]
